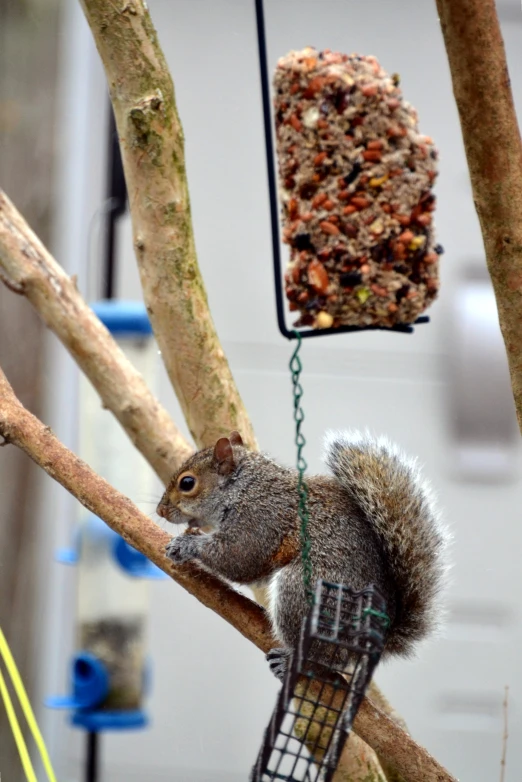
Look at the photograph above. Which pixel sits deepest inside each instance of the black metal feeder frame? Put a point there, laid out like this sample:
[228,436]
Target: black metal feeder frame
[317,703]
[404,328]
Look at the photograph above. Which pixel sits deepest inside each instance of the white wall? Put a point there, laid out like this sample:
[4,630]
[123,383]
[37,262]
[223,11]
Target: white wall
[213,693]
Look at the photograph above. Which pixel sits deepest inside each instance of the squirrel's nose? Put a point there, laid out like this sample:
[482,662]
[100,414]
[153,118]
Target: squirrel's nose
[162,510]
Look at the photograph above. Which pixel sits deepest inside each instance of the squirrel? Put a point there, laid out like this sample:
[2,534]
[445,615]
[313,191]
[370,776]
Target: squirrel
[373,522]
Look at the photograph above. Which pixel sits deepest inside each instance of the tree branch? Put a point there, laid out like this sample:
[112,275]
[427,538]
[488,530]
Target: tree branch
[27,267]
[494,152]
[152,146]
[19,427]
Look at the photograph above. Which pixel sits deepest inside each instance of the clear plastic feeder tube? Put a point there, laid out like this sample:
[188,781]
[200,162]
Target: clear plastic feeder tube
[112,600]
[112,616]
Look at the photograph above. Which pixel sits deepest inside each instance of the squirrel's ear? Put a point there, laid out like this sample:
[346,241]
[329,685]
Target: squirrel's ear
[224,456]
[235,438]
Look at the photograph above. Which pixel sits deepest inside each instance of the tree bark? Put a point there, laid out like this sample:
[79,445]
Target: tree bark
[152,147]
[28,268]
[493,146]
[19,427]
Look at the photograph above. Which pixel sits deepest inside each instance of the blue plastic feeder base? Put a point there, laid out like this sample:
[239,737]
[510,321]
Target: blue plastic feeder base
[109,720]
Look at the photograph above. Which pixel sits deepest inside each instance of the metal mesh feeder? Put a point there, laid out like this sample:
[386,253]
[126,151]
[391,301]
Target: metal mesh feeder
[318,703]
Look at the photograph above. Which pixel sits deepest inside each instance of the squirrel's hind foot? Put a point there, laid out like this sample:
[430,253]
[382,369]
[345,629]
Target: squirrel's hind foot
[279,661]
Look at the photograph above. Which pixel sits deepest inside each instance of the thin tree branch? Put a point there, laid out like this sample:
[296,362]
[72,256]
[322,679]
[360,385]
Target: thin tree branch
[19,427]
[491,136]
[505,735]
[152,146]
[27,267]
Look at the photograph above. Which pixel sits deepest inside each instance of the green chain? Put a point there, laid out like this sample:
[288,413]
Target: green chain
[302,489]
[379,614]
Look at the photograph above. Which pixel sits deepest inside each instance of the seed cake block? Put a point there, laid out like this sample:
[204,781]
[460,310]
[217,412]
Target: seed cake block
[356,180]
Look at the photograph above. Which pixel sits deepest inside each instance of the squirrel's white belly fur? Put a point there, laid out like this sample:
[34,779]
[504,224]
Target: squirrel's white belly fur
[273,591]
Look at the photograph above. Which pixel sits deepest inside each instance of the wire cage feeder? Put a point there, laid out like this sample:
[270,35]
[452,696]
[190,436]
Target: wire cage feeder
[318,703]
[291,333]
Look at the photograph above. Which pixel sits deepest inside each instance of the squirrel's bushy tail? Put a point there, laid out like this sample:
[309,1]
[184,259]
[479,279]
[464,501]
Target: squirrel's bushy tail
[388,488]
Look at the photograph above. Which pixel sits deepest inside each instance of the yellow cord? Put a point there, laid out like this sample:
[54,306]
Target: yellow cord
[17,733]
[10,664]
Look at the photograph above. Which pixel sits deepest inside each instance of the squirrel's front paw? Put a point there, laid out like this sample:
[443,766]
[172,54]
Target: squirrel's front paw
[184,548]
[279,661]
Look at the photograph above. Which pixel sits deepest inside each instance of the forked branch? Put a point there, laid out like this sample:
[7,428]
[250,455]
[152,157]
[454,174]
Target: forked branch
[26,267]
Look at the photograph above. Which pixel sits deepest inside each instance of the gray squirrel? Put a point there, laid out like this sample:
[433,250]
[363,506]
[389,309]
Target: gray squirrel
[373,522]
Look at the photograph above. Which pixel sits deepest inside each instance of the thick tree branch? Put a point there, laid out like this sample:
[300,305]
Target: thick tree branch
[28,268]
[152,146]
[19,427]
[494,151]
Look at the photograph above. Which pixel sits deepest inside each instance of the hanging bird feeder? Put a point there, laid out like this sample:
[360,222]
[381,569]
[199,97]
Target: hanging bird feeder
[109,676]
[355,195]
[317,704]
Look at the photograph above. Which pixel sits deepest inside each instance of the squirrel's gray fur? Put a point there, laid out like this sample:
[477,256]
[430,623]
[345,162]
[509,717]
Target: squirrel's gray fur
[373,522]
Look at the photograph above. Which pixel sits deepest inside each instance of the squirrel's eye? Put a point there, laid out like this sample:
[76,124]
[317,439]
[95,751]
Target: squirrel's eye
[187,483]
